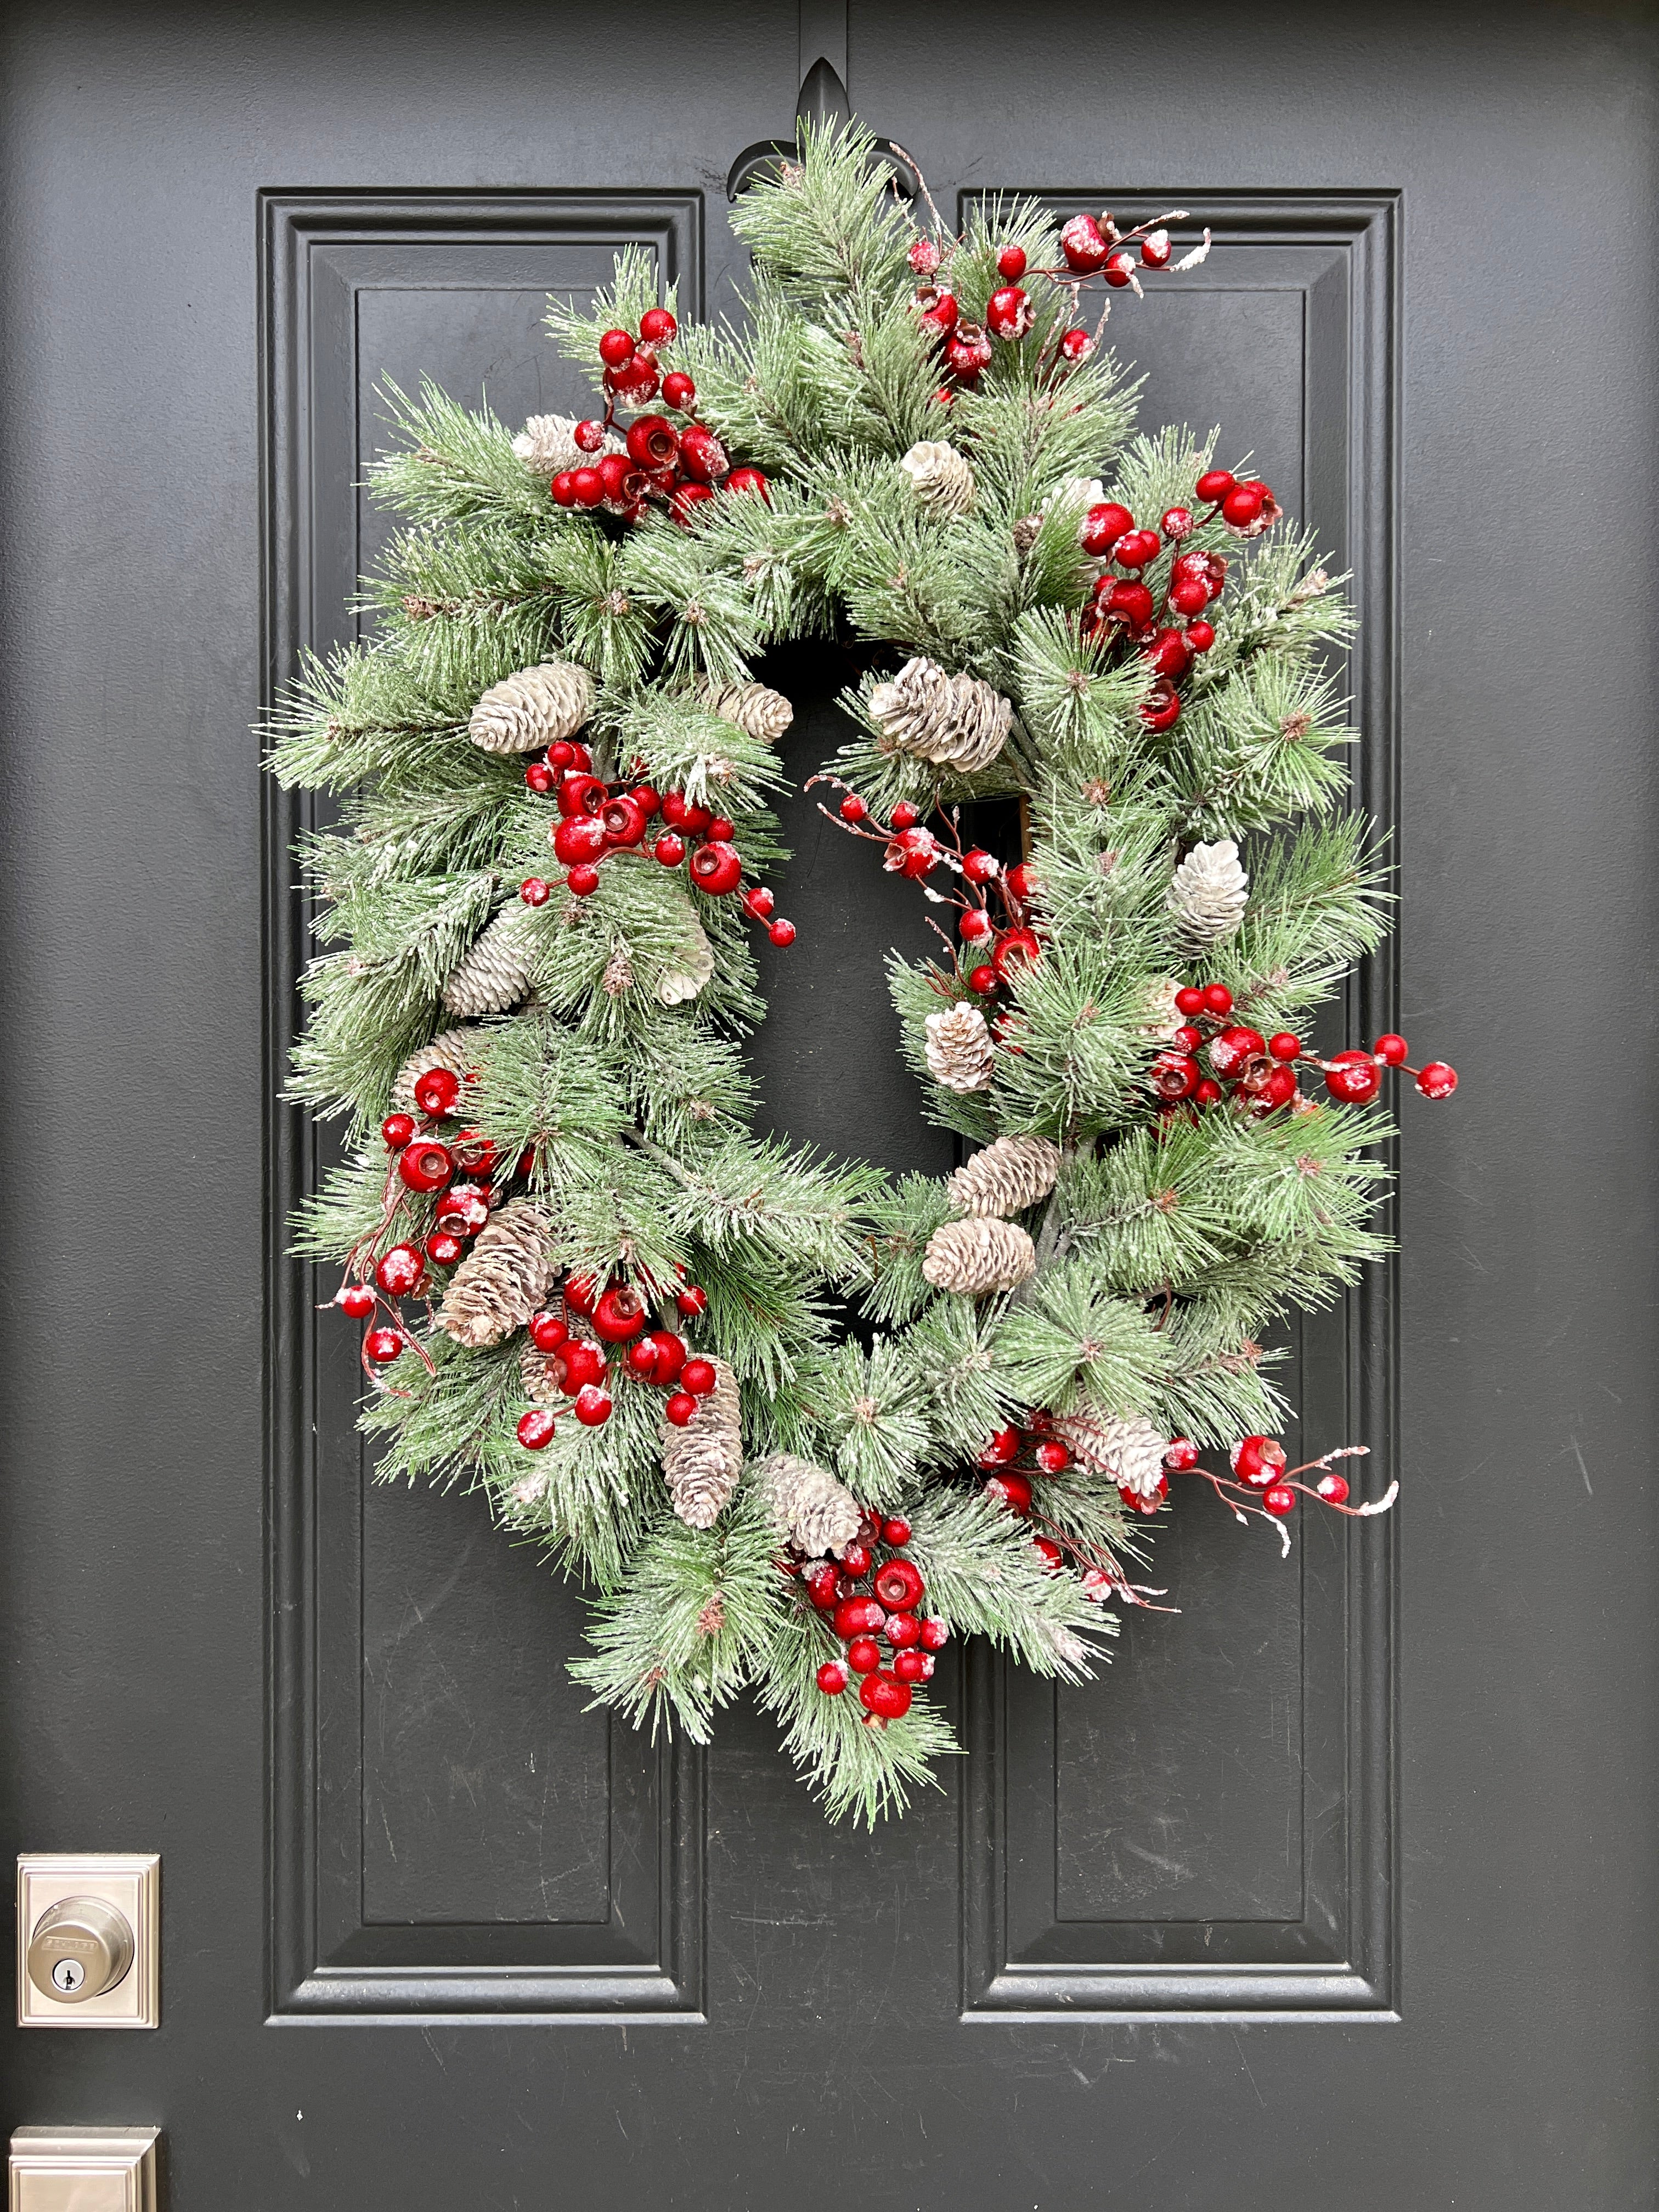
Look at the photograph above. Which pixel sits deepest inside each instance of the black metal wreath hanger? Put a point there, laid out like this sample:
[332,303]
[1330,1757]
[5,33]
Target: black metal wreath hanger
[823,99]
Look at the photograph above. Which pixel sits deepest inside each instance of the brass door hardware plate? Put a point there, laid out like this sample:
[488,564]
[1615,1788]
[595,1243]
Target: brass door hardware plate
[89,1940]
[82,2170]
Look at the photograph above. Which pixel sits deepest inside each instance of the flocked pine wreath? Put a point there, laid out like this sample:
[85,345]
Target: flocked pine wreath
[588,1287]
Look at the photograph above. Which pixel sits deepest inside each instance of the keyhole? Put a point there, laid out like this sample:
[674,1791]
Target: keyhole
[68,1975]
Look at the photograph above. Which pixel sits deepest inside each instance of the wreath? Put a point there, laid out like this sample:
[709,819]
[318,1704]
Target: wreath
[792,1422]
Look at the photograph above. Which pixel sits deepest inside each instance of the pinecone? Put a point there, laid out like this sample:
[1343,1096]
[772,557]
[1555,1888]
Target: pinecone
[941,478]
[1131,1452]
[954,721]
[1027,530]
[536,707]
[455,1049]
[1006,1178]
[618,975]
[1208,894]
[1164,1017]
[762,714]
[494,973]
[960,1053]
[688,967]
[972,1257]
[809,1508]
[504,1277]
[703,1460]
[547,444]
[540,1379]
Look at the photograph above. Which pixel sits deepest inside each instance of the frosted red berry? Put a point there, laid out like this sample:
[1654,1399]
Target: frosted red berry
[783,932]
[853,808]
[1353,1077]
[898,1584]
[680,1408]
[885,1696]
[1258,1460]
[1436,1080]
[670,849]
[425,1166]
[381,1344]
[1180,1454]
[896,1531]
[832,1678]
[935,1633]
[548,1331]
[1120,268]
[864,1655]
[1010,264]
[1010,1490]
[583,879]
[1391,1049]
[1103,525]
[616,347]
[658,327]
[1084,244]
[1334,1489]
[698,1377]
[1280,1499]
[535,1429]
[355,1300]
[1214,485]
[397,1129]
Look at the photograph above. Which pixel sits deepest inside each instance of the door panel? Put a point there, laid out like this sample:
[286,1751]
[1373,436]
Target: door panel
[1334,1889]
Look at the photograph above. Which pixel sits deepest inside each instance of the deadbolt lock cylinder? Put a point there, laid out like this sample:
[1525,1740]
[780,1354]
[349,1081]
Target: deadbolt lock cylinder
[81,1948]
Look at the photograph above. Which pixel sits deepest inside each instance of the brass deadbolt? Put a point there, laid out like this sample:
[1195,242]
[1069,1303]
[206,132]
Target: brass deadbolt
[81,1948]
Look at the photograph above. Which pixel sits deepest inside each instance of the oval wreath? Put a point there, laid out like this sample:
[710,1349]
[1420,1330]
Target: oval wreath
[587,1286]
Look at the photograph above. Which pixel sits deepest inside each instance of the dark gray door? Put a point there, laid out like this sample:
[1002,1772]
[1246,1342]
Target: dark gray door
[1337,1890]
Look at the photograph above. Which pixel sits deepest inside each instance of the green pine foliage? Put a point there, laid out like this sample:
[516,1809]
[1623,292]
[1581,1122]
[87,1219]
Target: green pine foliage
[614,1089]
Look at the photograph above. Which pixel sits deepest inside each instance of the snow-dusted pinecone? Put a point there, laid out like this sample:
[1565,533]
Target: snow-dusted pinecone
[960,1053]
[538,1376]
[504,1278]
[547,444]
[1006,1178]
[1208,894]
[1130,1451]
[762,715]
[688,967]
[941,478]
[455,1049]
[536,707]
[619,970]
[494,973]
[1164,1017]
[809,1508]
[974,1256]
[954,721]
[1080,492]
[702,1461]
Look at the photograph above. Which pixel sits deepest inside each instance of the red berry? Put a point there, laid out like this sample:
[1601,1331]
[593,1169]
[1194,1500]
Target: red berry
[1214,485]
[1241,505]
[937,308]
[858,1616]
[1136,548]
[381,1344]
[1280,1500]
[1436,1080]
[425,1166]
[1010,264]
[1277,1088]
[540,777]
[624,820]
[1011,1490]
[616,347]
[1334,1489]
[1052,1456]
[670,1357]
[896,1531]
[1168,653]
[759,902]
[1231,1048]
[563,487]
[885,1696]
[658,327]
[1190,1000]
[783,932]
[702,457]
[855,1560]
[979,867]
[592,1405]
[436,1089]
[906,817]
[583,1363]
[586,487]
[1217,998]
[912,1666]
[974,926]
[899,1585]
[624,483]
[982,979]
[1008,312]
[1283,1046]
[1207,1092]
[1155,249]
[1353,1077]
[548,1331]
[670,849]
[902,1630]
[716,868]
[698,1377]
[619,1315]
[1161,708]
[832,1678]
[355,1299]
[1258,1460]
[686,500]
[1120,268]
[1131,604]
[589,436]
[1176,522]
[1075,345]
[678,390]
[968,350]
[1103,525]
[924,256]
[1188,1038]
[534,890]
[750,481]
[1181,1454]
[680,1408]
[864,1655]
[1189,597]
[1201,635]
[853,808]
[1049,1553]
[581,1293]
[583,879]
[935,1633]
[535,1429]
[1016,949]
[820,1581]
[581,837]
[1175,1075]
[398,1129]
[464,1209]
[1003,1447]
[1084,244]
[691,1300]
[1390,1049]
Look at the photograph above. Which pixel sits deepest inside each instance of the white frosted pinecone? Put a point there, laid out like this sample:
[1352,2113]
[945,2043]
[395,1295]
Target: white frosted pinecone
[702,1461]
[972,1257]
[761,714]
[536,707]
[1164,1017]
[941,478]
[456,1049]
[688,967]
[494,973]
[547,444]
[954,721]
[1208,894]
[539,1376]
[504,1278]
[1130,1451]
[960,1053]
[1081,492]
[814,1512]
[1006,1178]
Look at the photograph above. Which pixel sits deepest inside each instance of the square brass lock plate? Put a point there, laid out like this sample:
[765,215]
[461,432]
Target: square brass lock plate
[82,2170]
[71,1907]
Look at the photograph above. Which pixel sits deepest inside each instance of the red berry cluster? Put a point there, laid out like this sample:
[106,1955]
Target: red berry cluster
[616,1316]
[1090,247]
[459,1170]
[993,920]
[1123,610]
[679,468]
[1262,1481]
[596,819]
[872,1596]
[1260,1073]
